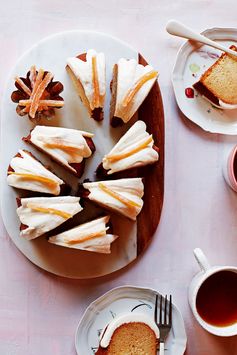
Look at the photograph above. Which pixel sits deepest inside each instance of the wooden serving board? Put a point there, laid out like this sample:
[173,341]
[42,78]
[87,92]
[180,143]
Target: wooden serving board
[134,237]
[152,113]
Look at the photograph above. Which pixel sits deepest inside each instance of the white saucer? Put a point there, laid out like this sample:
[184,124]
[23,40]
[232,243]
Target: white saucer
[121,300]
[192,61]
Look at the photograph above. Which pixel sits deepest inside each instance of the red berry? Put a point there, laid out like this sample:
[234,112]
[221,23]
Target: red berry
[189,92]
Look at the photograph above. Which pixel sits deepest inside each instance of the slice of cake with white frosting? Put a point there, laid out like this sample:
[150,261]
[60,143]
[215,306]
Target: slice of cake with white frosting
[130,333]
[27,173]
[90,236]
[135,149]
[87,72]
[39,215]
[123,196]
[68,147]
[130,86]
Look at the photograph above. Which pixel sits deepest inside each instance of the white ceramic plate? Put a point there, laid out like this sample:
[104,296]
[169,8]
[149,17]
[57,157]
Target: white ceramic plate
[192,61]
[51,54]
[121,300]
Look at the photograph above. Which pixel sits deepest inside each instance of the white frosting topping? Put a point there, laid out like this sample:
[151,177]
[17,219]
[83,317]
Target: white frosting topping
[26,164]
[40,222]
[131,140]
[108,332]
[131,189]
[83,71]
[41,136]
[226,106]
[222,105]
[129,71]
[90,236]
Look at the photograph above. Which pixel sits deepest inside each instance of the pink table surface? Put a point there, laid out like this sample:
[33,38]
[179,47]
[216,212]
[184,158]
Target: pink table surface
[38,311]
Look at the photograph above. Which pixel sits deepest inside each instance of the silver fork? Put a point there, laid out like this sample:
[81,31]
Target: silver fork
[165,320]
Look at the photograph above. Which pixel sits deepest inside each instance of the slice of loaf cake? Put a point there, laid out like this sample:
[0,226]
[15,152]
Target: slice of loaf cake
[28,173]
[39,215]
[219,83]
[130,85]
[130,334]
[135,149]
[95,236]
[87,72]
[68,147]
[122,196]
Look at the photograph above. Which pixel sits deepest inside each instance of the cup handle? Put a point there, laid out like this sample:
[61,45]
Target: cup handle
[201,259]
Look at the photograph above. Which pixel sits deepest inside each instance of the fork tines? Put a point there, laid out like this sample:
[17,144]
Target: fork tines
[165,317]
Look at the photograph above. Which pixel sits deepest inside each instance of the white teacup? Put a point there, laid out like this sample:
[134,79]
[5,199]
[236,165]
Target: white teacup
[206,271]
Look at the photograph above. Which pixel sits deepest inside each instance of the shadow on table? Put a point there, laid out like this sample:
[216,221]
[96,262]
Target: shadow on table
[202,341]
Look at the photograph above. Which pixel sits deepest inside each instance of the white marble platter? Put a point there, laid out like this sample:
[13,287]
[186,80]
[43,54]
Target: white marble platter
[51,54]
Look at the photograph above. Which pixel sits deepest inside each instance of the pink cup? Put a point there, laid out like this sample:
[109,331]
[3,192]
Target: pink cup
[228,168]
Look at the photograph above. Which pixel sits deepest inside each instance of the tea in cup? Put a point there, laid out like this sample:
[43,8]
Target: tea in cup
[213,297]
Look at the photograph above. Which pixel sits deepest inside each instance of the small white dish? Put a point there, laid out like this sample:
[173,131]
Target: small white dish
[121,300]
[192,61]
